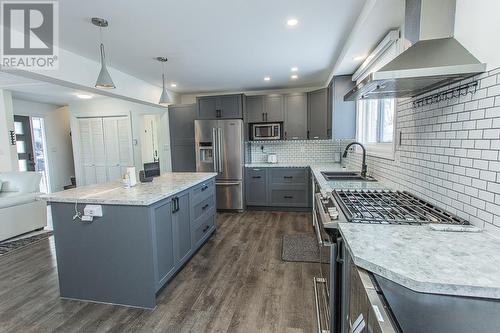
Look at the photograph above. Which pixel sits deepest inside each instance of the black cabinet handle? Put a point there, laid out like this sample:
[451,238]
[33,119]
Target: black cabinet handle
[218,113]
[205,207]
[174,204]
[263,117]
[256,177]
[288,177]
[308,134]
[288,197]
[204,188]
[206,228]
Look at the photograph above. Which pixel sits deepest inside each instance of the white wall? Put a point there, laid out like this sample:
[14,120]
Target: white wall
[477,27]
[58,140]
[105,107]
[8,152]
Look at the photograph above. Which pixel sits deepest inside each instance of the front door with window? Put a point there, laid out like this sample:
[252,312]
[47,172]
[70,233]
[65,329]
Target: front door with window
[24,143]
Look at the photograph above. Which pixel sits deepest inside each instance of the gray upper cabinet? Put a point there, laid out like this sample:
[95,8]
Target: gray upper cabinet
[296,116]
[254,109]
[181,122]
[273,108]
[220,107]
[344,113]
[317,114]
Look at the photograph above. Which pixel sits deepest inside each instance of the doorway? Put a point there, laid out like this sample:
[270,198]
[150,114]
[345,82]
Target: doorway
[31,147]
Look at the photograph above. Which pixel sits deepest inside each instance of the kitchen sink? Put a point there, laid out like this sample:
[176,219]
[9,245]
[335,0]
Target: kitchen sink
[346,176]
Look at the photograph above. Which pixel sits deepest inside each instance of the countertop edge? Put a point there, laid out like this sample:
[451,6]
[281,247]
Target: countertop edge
[48,198]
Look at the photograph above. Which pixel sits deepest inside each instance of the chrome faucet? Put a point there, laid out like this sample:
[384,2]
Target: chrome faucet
[363,164]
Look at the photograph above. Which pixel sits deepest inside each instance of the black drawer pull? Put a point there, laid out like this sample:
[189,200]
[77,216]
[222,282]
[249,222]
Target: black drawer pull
[288,197]
[204,188]
[288,177]
[256,177]
[205,207]
[206,228]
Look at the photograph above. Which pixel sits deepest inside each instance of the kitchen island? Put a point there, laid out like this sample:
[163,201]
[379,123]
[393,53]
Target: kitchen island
[145,235]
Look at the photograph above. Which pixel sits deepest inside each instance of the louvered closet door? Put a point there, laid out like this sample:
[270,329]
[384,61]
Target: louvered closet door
[118,141]
[96,126]
[89,173]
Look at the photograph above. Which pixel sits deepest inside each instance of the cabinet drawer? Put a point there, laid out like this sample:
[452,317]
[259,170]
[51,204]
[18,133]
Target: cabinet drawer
[288,175]
[202,191]
[203,229]
[296,197]
[203,206]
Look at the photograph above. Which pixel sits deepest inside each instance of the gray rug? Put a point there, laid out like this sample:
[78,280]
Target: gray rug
[301,248]
[9,246]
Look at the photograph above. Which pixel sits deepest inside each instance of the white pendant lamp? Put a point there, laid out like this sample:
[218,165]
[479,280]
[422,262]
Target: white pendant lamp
[165,97]
[104,79]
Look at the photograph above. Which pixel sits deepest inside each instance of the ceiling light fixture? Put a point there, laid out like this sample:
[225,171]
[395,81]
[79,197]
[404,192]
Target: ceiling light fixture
[294,69]
[267,78]
[173,85]
[292,22]
[104,79]
[165,97]
[294,77]
[83,96]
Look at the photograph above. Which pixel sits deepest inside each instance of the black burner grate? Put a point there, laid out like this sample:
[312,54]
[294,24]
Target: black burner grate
[391,207]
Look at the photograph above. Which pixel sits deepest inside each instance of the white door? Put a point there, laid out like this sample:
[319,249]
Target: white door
[86,150]
[98,149]
[112,151]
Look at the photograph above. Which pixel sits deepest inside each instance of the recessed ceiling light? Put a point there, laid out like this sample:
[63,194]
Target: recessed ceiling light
[292,22]
[294,77]
[267,78]
[294,69]
[84,96]
[358,58]
[173,85]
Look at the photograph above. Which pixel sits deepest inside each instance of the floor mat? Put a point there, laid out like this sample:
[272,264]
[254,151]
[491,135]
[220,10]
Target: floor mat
[9,246]
[302,248]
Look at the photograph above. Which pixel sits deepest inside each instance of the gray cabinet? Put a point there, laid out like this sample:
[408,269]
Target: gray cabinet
[256,187]
[273,108]
[254,109]
[296,116]
[164,234]
[220,107]
[278,187]
[182,143]
[344,113]
[182,227]
[317,114]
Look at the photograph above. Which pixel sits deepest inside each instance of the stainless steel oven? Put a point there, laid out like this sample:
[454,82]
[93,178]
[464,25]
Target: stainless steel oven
[266,131]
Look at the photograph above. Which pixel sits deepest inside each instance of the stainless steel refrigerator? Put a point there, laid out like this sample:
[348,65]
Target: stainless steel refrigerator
[219,148]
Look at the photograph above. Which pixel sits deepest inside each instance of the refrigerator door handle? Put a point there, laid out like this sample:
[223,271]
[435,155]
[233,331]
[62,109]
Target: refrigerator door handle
[215,153]
[220,150]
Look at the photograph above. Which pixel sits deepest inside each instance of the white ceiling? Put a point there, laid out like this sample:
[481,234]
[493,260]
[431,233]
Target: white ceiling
[217,45]
[383,16]
[36,91]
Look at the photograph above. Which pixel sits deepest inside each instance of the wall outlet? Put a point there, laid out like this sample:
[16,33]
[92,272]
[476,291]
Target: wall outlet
[93,210]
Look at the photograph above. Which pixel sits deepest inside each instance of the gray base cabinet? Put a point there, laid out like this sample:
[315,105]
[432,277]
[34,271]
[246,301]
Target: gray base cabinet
[129,254]
[278,187]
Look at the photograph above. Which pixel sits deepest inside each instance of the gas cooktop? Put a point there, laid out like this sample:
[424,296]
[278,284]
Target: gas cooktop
[391,207]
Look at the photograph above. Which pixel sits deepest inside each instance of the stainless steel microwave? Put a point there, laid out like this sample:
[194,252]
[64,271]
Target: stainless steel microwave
[266,131]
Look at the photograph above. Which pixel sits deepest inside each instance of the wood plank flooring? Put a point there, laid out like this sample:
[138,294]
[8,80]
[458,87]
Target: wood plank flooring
[235,283]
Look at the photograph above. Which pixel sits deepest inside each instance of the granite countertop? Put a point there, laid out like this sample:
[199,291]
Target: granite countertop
[325,185]
[424,260]
[143,194]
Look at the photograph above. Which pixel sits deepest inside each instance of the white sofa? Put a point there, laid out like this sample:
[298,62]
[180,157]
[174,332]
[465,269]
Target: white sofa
[20,212]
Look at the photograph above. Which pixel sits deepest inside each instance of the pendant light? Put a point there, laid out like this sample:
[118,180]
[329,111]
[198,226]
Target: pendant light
[165,97]
[104,79]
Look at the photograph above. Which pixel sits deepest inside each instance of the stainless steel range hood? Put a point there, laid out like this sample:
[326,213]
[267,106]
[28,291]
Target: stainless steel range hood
[435,58]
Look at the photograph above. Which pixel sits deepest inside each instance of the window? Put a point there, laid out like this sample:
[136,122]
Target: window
[375,126]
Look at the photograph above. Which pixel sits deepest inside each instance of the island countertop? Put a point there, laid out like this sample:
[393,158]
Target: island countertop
[424,260]
[143,194]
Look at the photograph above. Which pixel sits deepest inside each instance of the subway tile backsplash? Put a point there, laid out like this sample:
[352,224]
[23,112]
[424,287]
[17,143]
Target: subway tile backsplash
[449,153]
[298,151]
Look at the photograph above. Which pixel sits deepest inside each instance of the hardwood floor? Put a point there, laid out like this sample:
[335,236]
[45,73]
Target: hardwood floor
[235,283]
